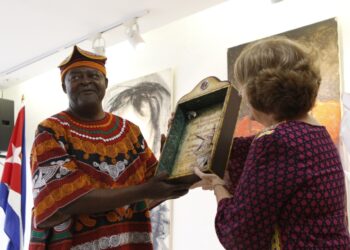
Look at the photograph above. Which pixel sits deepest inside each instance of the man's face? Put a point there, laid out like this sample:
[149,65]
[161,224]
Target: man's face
[85,87]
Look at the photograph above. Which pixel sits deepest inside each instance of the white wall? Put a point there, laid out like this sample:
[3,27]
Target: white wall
[195,47]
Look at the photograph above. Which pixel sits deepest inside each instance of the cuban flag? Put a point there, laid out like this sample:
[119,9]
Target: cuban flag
[13,185]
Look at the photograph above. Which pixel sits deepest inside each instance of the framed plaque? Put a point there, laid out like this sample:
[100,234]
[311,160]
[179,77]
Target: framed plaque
[202,131]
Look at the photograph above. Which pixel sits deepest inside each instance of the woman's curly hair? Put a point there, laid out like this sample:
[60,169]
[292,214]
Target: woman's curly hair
[279,77]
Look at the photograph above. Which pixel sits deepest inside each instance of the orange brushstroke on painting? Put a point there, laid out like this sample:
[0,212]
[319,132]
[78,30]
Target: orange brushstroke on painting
[327,113]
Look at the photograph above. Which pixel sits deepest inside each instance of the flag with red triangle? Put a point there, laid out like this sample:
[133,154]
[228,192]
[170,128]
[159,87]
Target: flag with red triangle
[13,185]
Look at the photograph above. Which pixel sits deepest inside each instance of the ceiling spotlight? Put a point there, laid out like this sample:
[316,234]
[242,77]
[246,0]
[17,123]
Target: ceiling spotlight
[132,32]
[99,44]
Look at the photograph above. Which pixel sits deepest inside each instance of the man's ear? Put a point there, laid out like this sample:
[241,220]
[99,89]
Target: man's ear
[64,87]
[106,82]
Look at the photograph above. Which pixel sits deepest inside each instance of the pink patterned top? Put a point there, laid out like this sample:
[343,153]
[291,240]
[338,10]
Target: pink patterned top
[288,192]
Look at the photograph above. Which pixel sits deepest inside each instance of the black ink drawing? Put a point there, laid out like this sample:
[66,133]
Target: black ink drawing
[146,101]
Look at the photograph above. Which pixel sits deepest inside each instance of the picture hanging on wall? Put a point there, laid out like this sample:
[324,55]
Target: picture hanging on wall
[147,102]
[322,38]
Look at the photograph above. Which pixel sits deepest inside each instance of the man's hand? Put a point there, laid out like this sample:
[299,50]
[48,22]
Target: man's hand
[208,181]
[158,188]
[162,142]
[163,137]
[171,120]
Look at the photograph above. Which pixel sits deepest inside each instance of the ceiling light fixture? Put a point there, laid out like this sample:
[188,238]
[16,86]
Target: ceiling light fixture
[132,32]
[99,44]
[72,43]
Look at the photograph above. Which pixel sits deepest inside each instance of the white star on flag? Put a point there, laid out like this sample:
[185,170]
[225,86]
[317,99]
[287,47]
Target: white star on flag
[16,155]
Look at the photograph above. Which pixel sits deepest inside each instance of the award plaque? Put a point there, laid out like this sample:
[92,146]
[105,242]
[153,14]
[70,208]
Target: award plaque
[202,131]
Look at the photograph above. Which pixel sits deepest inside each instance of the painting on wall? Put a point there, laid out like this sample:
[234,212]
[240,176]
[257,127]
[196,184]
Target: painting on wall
[147,102]
[322,38]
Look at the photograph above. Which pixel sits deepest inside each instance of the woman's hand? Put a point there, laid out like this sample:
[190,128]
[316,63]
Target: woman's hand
[212,182]
[208,181]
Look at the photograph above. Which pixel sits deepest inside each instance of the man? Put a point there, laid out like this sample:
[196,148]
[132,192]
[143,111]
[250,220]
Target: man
[93,173]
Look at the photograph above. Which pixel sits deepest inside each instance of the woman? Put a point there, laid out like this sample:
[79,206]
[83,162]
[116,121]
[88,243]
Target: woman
[286,188]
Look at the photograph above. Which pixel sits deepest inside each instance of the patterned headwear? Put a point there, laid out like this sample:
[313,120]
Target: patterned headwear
[82,58]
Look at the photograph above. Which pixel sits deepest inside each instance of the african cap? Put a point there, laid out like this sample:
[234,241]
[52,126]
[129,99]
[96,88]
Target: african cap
[83,58]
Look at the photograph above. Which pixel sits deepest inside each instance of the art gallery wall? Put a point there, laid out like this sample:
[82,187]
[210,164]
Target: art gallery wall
[194,47]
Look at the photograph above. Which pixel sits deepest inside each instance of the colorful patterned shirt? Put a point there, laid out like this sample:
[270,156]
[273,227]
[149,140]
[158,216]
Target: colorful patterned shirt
[288,192]
[69,159]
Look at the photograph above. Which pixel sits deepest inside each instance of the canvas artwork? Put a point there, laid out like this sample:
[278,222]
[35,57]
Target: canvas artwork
[147,102]
[322,37]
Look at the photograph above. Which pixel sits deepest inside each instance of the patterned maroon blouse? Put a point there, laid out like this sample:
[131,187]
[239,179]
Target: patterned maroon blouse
[288,192]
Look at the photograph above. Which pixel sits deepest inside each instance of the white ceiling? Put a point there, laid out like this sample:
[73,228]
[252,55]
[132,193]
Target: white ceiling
[42,29]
